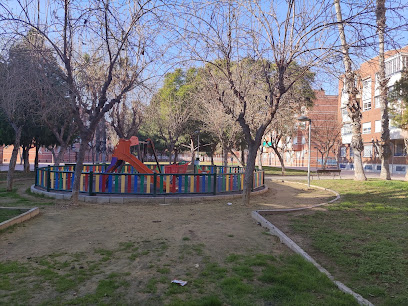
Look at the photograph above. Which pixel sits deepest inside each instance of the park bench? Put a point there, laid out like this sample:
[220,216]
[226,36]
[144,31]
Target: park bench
[332,172]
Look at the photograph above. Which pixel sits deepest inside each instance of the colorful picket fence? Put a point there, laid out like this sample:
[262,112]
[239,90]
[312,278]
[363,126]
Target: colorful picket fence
[95,181]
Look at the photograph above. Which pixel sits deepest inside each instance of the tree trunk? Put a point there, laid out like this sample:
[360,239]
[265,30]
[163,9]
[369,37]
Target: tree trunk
[13,159]
[353,107]
[175,156]
[358,148]
[60,155]
[26,157]
[78,169]
[385,146]
[249,174]
[212,159]
[224,155]
[243,156]
[282,162]
[37,149]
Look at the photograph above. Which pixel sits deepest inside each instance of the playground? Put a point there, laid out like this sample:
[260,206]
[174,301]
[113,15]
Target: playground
[129,176]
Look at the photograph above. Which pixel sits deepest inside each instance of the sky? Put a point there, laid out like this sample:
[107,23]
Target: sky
[326,76]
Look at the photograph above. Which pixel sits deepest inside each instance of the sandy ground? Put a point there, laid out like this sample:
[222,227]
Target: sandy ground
[80,229]
[178,237]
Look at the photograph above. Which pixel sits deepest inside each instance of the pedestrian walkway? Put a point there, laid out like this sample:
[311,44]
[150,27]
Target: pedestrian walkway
[345,174]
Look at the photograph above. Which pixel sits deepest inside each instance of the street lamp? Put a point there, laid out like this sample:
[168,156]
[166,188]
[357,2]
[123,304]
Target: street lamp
[303,119]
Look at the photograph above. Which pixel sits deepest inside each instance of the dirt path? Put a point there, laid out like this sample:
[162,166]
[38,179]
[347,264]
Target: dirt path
[223,229]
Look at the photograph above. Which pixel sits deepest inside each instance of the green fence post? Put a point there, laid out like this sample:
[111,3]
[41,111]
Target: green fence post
[90,187]
[215,183]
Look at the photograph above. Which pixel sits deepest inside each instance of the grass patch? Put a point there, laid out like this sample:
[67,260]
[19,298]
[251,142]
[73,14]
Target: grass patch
[277,171]
[239,279]
[6,214]
[365,234]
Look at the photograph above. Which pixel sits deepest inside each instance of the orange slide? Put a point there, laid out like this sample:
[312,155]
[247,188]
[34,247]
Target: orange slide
[122,152]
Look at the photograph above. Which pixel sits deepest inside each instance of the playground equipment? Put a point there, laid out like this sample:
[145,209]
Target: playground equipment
[121,156]
[128,175]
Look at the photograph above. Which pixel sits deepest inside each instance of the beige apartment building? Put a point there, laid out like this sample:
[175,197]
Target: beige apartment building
[395,61]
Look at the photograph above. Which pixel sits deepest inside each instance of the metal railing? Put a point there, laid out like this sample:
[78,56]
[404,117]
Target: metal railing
[94,180]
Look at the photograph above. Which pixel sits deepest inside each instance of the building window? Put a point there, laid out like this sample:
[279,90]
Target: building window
[377,102]
[399,149]
[367,128]
[392,66]
[366,94]
[377,126]
[366,105]
[400,168]
[368,150]
[346,129]
[343,152]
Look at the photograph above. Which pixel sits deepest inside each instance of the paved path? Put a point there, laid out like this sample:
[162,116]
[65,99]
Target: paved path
[345,174]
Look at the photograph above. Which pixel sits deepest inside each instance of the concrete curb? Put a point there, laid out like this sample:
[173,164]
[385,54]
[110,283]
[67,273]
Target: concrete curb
[297,249]
[30,213]
[106,199]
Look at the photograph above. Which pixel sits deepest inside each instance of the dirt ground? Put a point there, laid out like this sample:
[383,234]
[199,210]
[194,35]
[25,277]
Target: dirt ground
[144,241]
[79,229]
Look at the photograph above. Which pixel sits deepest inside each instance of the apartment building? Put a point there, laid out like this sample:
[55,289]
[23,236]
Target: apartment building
[325,140]
[395,61]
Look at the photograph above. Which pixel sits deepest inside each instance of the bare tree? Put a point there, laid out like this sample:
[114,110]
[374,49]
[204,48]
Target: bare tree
[213,116]
[326,136]
[260,54]
[17,72]
[91,41]
[280,132]
[353,105]
[385,145]
[168,120]
[126,120]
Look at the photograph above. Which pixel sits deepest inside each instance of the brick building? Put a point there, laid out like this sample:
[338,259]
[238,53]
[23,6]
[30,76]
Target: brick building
[45,156]
[325,140]
[395,61]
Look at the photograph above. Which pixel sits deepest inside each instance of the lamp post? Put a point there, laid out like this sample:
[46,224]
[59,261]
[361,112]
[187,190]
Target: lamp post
[303,119]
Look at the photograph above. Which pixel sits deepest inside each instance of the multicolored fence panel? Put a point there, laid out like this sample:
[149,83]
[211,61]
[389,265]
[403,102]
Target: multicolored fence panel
[94,180]
[123,183]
